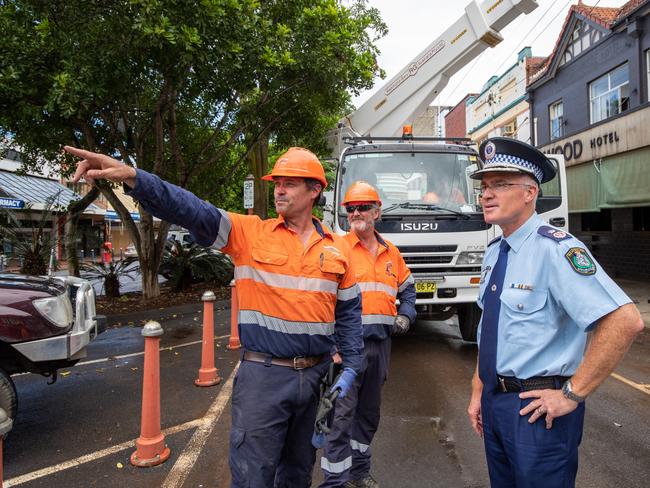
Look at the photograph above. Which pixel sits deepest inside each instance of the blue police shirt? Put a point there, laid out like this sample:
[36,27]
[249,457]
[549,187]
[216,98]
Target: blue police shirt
[553,293]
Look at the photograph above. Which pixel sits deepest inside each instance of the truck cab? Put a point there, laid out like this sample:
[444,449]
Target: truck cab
[432,213]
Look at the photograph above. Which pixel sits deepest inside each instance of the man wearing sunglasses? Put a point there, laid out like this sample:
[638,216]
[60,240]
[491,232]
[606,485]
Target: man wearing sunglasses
[541,292]
[383,277]
[298,305]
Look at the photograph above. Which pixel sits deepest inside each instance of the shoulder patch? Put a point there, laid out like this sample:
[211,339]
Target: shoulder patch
[496,239]
[552,233]
[581,261]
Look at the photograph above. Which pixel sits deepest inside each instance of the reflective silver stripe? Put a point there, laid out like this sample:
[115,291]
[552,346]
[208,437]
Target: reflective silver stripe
[285,326]
[277,280]
[408,281]
[358,446]
[224,230]
[336,468]
[348,293]
[377,286]
[377,319]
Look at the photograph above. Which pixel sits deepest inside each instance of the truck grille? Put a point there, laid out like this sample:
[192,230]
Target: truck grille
[428,259]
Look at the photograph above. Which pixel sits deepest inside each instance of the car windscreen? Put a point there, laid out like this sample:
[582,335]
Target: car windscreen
[414,182]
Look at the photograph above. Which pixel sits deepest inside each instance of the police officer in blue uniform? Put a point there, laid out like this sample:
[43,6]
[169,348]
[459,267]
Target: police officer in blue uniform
[541,293]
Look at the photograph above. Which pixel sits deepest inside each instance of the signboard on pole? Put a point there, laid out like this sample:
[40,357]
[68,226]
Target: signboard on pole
[249,192]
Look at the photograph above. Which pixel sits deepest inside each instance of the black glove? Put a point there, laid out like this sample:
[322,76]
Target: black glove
[401,325]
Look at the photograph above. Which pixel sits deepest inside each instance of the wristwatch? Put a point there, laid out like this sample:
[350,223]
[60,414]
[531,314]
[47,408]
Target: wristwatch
[567,391]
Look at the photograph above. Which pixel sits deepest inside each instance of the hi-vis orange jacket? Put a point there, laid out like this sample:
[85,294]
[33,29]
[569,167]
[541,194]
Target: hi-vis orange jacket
[382,279]
[293,300]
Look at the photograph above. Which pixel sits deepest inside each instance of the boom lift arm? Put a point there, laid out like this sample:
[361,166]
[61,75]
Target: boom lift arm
[415,86]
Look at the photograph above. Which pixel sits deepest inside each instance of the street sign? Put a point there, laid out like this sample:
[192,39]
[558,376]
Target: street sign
[249,193]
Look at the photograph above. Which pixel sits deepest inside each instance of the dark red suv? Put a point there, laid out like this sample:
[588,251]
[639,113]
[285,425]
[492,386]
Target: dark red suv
[45,324]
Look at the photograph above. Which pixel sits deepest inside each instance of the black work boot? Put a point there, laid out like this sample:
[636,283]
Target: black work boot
[367,482]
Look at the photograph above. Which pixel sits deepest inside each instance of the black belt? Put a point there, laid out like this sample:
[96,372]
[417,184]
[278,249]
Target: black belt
[299,362]
[510,384]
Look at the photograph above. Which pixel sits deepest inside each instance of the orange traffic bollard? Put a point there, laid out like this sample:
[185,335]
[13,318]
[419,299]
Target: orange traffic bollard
[234,343]
[208,375]
[5,426]
[150,446]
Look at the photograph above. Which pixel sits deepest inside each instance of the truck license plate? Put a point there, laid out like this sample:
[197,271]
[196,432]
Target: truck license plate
[425,287]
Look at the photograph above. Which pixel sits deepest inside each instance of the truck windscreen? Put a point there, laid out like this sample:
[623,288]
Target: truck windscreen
[408,181]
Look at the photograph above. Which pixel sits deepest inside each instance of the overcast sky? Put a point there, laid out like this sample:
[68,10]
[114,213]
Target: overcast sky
[414,24]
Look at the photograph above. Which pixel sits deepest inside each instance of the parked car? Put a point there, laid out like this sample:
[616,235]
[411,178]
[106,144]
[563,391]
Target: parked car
[45,324]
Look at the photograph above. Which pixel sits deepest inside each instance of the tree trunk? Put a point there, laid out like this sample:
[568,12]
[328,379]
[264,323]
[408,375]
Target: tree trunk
[258,158]
[151,249]
[75,210]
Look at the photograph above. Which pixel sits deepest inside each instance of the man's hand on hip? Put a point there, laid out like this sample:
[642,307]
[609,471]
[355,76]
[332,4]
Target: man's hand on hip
[551,403]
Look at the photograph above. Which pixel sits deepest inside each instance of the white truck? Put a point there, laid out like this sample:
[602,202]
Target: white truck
[430,208]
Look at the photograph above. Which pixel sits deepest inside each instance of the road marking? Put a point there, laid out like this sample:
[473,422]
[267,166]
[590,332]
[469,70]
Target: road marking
[188,457]
[133,354]
[641,387]
[205,423]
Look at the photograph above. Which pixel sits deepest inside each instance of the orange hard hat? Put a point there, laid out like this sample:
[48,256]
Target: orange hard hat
[300,163]
[361,191]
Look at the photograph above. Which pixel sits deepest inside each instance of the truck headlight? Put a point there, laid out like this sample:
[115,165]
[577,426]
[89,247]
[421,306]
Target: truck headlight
[470,258]
[57,309]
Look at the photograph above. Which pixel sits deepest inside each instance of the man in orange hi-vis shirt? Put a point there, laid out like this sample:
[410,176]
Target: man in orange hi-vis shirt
[299,304]
[383,277]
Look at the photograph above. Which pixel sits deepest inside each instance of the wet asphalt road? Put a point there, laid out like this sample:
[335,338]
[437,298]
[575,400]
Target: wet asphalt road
[424,438]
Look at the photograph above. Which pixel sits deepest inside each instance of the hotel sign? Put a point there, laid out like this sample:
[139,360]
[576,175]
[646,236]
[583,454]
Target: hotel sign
[620,135]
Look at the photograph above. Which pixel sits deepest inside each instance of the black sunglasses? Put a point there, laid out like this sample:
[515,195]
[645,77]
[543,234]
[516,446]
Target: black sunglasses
[361,208]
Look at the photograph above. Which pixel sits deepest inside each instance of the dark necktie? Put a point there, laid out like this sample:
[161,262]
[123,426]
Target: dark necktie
[487,358]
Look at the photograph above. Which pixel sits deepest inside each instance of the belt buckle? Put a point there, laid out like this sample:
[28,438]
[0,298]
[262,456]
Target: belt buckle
[295,363]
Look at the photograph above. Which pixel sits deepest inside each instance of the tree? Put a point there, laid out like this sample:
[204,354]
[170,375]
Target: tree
[181,89]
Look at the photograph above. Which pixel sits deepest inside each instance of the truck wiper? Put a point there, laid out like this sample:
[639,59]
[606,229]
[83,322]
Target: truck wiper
[423,206]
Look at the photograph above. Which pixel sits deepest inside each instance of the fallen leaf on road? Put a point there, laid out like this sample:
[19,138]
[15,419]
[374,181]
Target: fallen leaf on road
[64,373]
[175,354]
[100,370]
[617,424]
[134,369]
[175,315]
[119,465]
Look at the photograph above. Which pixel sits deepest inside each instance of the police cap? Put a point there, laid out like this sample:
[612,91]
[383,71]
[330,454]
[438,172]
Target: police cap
[510,155]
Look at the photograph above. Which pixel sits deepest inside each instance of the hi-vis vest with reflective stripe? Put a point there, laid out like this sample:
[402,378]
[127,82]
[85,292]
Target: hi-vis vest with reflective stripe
[288,294]
[380,280]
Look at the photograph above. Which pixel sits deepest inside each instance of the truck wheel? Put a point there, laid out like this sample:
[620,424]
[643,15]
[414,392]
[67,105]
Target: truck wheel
[469,316]
[7,394]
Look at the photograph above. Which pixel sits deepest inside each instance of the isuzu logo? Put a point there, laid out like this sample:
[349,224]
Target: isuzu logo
[418,226]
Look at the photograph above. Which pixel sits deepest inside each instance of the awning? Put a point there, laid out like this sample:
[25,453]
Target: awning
[18,192]
[622,180]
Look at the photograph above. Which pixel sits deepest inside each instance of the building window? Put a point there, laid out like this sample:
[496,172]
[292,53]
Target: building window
[641,219]
[597,221]
[556,117]
[509,129]
[610,94]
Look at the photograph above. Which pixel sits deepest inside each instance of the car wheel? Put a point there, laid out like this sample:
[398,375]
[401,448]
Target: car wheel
[8,396]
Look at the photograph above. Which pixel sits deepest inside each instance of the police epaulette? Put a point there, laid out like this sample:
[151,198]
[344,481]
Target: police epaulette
[552,233]
[496,239]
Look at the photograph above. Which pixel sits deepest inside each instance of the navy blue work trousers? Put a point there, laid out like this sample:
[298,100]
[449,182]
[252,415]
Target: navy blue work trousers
[356,418]
[524,455]
[273,414]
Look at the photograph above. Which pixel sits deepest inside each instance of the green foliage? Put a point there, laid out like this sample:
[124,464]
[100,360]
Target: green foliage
[180,88]
[109,274]
[184,265]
